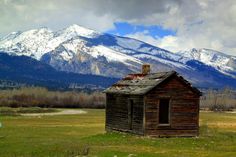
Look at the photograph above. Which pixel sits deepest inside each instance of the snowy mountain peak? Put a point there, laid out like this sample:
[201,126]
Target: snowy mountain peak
[80,31]
[29,43]
[216,59]
[36,42]
[203,54]
[10,36]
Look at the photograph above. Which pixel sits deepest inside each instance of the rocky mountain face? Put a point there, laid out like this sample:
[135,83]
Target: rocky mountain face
[24,70]
[81,50]
[224,63]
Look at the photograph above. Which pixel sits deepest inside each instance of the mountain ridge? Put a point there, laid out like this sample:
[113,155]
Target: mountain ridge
[29,71]
[80,50]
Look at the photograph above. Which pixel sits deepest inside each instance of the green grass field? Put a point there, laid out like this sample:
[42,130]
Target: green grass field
[8,111]
[78,135]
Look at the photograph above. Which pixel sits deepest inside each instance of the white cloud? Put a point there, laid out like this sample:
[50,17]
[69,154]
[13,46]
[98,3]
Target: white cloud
[198,23]
[56,14]
[170,42]
[144,36]
[203,23]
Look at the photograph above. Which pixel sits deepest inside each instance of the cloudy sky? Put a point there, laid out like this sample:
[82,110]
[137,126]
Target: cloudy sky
[171,24]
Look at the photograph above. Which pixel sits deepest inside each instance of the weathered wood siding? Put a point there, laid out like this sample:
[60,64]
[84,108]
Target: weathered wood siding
[117,113]
[184,109]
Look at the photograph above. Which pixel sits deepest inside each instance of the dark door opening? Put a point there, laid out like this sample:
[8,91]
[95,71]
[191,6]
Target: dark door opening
[130,113]
[164,111]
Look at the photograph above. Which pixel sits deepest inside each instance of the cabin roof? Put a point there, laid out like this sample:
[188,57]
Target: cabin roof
[140,84]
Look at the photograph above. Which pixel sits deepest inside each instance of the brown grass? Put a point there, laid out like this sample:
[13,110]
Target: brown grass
[41,97]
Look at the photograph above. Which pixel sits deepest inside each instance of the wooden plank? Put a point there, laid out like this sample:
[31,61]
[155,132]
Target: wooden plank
[117,113]
[184,110]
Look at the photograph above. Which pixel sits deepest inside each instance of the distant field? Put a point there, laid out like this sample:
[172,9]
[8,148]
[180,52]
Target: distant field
[77,135]
[8,111]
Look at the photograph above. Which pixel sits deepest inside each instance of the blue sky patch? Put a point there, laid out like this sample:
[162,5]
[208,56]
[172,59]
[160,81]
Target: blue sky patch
[123,28]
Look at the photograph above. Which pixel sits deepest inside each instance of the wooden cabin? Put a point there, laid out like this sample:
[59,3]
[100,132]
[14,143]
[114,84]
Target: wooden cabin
[153,104]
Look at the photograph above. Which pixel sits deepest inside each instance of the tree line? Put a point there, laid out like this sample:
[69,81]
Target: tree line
[214,100]
[219,100]
[42,97]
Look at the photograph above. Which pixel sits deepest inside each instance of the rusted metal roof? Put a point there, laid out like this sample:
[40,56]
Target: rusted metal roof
[139,84]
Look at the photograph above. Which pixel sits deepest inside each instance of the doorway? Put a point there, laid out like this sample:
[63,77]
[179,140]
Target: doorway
[130,113]
[164,111]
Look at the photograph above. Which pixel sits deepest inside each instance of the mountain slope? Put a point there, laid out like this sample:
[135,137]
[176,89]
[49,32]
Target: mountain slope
[81,50]
[26,70]
[220,61]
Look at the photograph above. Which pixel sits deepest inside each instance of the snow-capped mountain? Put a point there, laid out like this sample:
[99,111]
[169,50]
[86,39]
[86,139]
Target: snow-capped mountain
[37,42]
[81,50]
[222,62]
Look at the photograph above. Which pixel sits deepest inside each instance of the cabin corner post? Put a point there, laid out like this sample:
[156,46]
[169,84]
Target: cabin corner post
[106,128]
[144,115]
[170,111]
[198,110]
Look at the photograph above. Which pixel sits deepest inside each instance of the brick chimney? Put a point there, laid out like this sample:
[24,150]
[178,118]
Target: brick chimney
[146,69]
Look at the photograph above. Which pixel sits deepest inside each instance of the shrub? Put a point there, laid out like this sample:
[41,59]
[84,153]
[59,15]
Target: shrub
[41,97]
[222,100]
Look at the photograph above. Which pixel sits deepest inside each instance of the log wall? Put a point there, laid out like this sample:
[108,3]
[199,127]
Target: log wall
[184,109]
[117,113]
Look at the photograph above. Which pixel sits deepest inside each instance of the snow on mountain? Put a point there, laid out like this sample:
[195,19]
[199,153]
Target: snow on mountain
[112,55]
[35,43]
[30,43]
[76,30]
[81,50]
[164,61]
[222,62]
[69,33]
[207,56]
[76,56]
[133,46]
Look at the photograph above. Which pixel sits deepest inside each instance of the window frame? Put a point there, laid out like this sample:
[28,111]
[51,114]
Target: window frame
[169,112]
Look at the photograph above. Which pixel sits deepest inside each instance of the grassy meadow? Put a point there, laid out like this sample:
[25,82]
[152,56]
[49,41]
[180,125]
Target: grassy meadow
[84,135]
